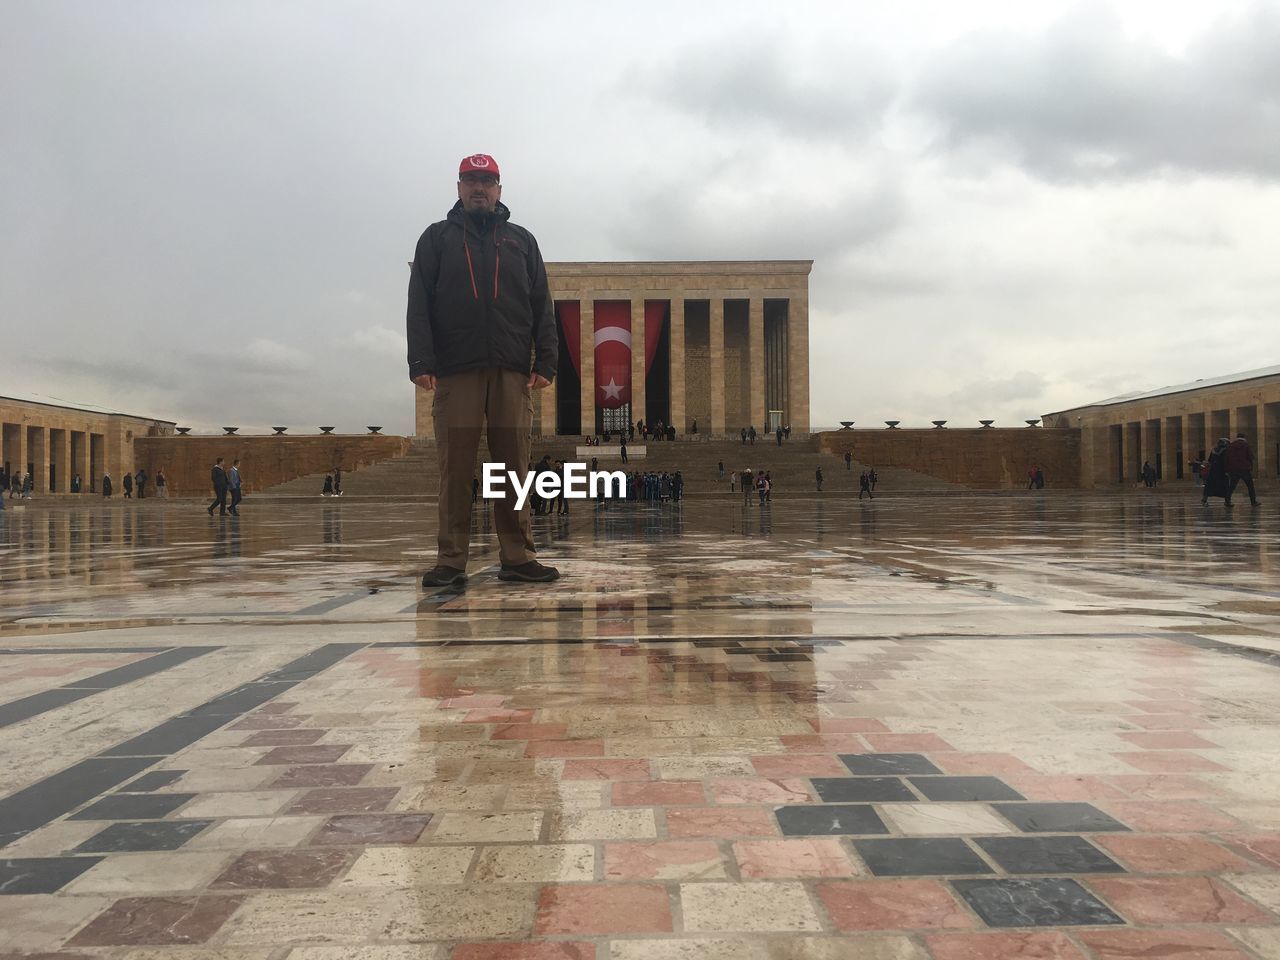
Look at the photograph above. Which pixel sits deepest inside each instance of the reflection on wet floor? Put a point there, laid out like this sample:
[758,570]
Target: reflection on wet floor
[812,728]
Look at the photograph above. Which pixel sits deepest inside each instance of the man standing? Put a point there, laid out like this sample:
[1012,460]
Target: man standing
[218,477]
[1240,467]
[479,308]
[141,481]
[233,483]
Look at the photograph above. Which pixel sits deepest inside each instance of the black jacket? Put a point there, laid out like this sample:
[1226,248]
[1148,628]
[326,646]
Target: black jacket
[218,477]
[478,298]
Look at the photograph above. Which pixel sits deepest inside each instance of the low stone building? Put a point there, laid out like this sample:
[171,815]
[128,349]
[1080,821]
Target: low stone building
[1172,426]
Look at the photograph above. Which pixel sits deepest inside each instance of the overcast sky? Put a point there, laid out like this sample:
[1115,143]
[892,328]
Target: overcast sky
[1013,207]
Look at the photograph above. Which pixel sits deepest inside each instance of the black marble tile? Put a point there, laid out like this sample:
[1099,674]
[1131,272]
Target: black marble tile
[15,711]
[45,801]
[830,820]
[168,737]
[152,781]
[142,668]
[978,789]
[1047,855]
[893,764]
[312,663]
[241,700]
[784,657]
[1050,902]
[148,835]
[920,857]
[862,789]
[41,874]
[1057,817]
[133,806]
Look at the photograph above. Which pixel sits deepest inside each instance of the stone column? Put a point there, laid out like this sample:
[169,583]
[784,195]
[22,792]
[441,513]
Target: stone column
[798,362]
[755,358]
[677,364]
[717,367]
[637,359]
[1261,459]
[587,364]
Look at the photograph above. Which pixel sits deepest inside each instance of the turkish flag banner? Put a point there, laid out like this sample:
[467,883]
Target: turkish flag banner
[613,353]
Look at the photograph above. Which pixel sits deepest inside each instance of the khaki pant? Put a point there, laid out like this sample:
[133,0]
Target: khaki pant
[499,403]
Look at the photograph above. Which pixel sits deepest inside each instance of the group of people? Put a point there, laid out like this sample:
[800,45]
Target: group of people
[332,483]
[22,485]
[1035,478]
[226,482]
[1229,463]
[759,481]
[17,484]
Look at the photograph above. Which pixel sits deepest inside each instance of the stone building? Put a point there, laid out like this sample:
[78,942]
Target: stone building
[724,344]
[55,442]
[1174,425]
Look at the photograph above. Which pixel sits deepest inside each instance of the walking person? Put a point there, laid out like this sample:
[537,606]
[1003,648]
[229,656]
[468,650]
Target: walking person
[864,486]
[623,447]
[479,310]
[162,489]
[1239,464]
[848,459]
[1216,482]
[762,487]
[141,482]
[817,477]
[233,484]
[337,481]
[106,485]
[127,483]
[748,484]
[218,478]
[873,477]
[327,489]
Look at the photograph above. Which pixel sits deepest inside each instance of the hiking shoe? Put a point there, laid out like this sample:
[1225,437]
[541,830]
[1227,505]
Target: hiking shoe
[442,576]
[531,572]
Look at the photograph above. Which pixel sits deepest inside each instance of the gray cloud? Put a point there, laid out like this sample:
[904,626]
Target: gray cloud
[1084,101]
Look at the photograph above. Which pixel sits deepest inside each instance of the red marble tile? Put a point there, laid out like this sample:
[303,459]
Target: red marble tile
[496,715]
[1162,944]
[1168,740]
[1063,788]
[545,950]
[1002,946]
[658,793]
[892,905]
[720,822]
[279,706]
[600,908]
[530,731]
[1163,786]
[286,737]
[982,764]
[1152,900]
[157,920]
[1172,854]
[799,765]
[1169,816]
[663,860]
[372,828]
[824,742]
[793,857]
[1263,847]
[606,770]
[906,742]
[1169,761]
[322,775]
[328,753]
[267,722]
[270,869]
[338,800]
[782,790]
[847,725]
[565,748]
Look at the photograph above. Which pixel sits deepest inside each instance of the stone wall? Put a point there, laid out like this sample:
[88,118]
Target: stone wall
[264,460]
[983,458]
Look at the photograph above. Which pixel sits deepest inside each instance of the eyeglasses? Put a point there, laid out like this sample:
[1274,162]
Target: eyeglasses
[483,179]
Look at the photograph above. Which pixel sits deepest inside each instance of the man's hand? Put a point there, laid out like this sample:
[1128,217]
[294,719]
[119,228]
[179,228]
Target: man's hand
[427,381]
[537,381]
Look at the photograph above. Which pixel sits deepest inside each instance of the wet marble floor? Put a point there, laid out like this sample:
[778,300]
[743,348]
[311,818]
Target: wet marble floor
[962,727]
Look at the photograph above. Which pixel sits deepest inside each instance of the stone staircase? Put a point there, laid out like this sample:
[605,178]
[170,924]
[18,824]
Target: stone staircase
[791,468]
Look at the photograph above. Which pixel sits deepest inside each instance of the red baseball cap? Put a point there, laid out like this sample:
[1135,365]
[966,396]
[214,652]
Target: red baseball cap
[479,163]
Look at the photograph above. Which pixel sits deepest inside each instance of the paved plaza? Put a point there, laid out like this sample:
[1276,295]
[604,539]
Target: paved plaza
[944,727]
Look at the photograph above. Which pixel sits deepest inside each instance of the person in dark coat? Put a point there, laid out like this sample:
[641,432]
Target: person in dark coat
[218,477]
[127,483]
[1239,464]
[1216,483]
[106,484]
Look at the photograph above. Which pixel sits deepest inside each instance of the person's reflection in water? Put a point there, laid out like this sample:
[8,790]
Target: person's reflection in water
[331,523]
[226,543]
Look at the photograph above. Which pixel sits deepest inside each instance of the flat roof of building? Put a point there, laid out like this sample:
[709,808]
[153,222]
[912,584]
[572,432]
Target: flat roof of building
[46,401]
[1257,374]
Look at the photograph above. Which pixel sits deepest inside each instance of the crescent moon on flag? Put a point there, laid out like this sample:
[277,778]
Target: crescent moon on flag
[613,335]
